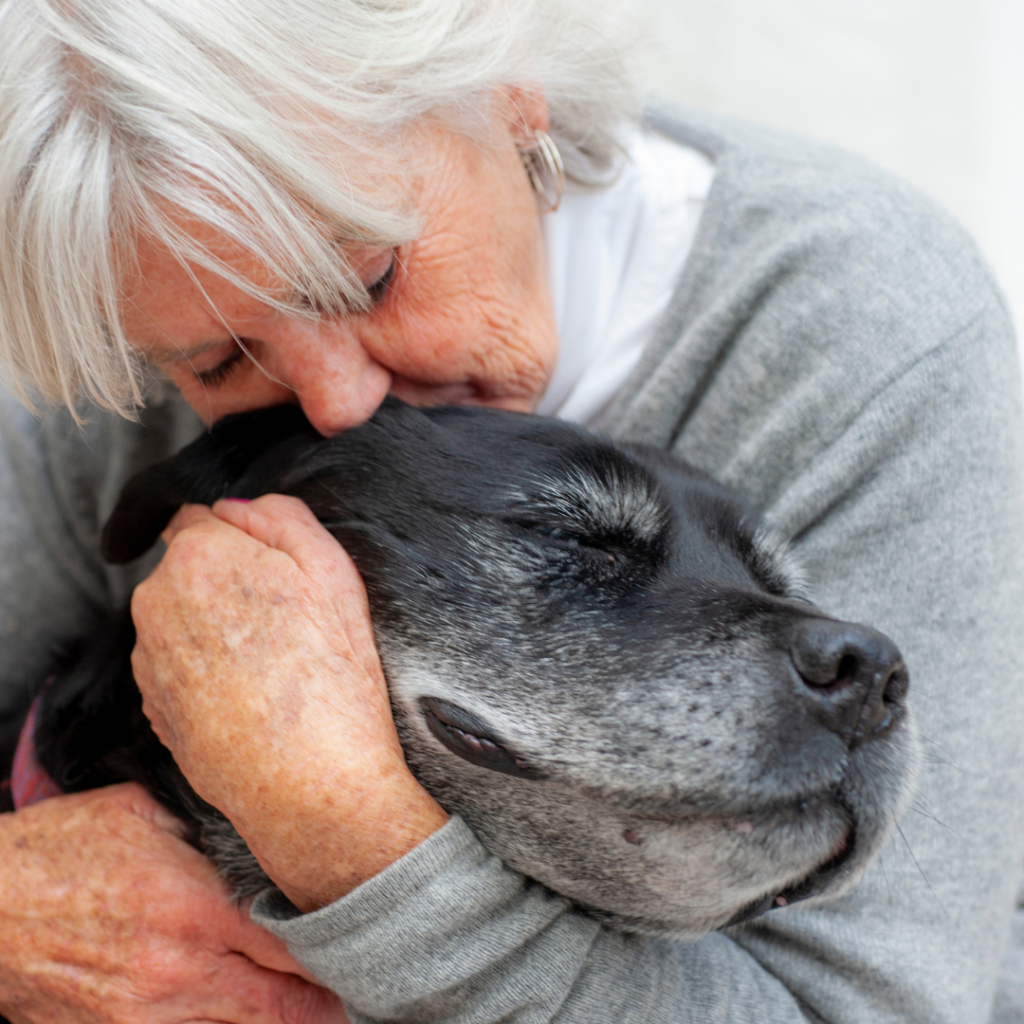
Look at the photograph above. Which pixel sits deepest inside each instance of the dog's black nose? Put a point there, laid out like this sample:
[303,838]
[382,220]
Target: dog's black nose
[853,677]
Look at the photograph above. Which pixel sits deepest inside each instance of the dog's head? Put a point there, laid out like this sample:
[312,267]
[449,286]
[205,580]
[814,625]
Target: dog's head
[596,655]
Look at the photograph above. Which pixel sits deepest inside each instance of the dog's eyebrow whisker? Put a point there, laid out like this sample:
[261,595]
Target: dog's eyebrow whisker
[775,562]
[622,497]
[885,877]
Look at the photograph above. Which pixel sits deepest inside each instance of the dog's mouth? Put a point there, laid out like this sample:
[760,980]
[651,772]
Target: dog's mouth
[810,885]
[472,739]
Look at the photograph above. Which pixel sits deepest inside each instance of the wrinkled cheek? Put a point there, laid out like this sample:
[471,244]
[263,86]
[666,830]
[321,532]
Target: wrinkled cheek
[483,345]
[431,342]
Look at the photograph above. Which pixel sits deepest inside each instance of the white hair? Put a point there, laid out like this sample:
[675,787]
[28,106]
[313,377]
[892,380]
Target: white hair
[128,117]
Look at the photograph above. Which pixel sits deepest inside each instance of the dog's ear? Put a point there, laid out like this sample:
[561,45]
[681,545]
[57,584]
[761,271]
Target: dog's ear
[201,473]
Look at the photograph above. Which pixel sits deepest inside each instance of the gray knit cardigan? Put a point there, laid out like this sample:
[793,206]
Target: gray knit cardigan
[836,351]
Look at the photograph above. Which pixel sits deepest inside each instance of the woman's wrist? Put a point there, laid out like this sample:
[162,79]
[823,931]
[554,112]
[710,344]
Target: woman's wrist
[331,838]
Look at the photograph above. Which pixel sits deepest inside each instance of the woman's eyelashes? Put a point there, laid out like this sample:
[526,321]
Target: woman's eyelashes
[376,290]
[216,375]
[379,288]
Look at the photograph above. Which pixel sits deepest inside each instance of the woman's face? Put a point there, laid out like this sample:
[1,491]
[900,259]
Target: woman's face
[462,314]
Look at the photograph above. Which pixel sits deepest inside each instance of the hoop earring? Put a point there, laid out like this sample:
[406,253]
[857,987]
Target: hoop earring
[545,170]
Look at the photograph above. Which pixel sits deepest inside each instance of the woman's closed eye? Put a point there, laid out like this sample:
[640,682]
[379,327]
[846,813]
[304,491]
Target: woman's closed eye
[215,376]
[379,288]
[376,288]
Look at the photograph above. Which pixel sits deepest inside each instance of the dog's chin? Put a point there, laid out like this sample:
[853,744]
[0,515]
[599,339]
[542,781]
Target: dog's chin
[858,818]
[702,904]
[828,877]
[754,868]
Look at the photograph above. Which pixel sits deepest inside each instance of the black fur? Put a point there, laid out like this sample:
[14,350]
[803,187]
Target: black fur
[596,654]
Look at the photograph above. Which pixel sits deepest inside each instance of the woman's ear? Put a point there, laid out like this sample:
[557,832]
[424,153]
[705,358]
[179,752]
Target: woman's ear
[525,109]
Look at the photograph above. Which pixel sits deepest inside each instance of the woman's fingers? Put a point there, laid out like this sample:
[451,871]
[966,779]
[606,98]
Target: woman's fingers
[276,520]
[186,516]
[253,943]
[263,949]
[287,525]
[134,799]
[239,931]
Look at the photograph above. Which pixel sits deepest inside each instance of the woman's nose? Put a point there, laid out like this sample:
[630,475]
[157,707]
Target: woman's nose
[335,381]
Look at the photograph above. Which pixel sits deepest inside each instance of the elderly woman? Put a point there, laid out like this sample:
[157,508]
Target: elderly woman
[214,206]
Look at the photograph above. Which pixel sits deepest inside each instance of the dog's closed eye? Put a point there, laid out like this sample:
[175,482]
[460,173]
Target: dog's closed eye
[606,549]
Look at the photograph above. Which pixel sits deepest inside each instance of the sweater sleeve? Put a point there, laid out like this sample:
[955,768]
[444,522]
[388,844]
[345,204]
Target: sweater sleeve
[912,520]
[450,934]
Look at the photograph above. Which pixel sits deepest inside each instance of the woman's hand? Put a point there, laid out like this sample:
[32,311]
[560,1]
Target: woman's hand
[256,659]
[107,917]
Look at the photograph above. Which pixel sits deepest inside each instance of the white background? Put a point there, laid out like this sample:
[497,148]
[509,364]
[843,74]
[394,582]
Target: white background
[930,89]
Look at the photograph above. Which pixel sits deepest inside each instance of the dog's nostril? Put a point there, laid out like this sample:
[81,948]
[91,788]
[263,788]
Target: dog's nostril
[896,685]
[831,655]
[846,671]
[825,653]
[853,676]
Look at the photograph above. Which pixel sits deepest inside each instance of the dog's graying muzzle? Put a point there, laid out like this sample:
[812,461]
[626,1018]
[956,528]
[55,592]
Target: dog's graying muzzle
[853,677]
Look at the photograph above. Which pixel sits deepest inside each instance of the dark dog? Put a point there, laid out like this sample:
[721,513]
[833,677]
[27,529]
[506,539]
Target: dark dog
[595,654]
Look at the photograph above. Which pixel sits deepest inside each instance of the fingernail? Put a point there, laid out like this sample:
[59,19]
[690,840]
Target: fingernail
[245,501]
